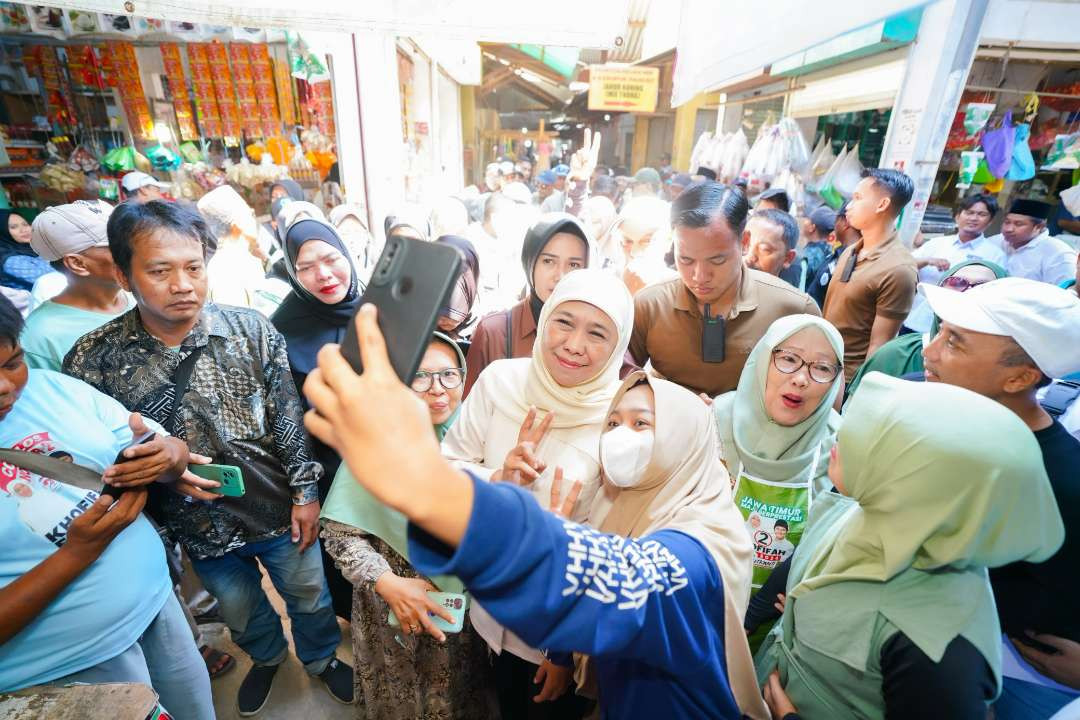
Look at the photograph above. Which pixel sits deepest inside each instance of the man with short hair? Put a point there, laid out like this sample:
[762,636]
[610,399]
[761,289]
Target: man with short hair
[140,187]
[1004,340]
[816,252]
[973,215]
[769,242]
[73,239]
[873,287]
[773,198]
[677,184]
[698,329]
[1030,251]
[219,378]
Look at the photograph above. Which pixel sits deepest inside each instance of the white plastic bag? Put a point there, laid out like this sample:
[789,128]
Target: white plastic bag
[734,155]
[848,174]
[1071,199]
[819,169]
[701,148]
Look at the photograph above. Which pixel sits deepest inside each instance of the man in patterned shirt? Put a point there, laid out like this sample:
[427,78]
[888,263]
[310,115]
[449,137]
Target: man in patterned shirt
[240,407]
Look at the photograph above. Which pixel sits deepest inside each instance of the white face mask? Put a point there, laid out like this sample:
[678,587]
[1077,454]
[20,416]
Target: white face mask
[624,455]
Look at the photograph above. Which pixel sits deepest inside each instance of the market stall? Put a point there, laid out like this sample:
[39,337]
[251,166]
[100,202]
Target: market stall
[86,97]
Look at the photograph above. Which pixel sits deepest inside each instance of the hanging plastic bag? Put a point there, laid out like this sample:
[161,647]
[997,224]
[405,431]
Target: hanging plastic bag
[816,174]
[190,152]
[829,194]
[1070,198]
[969,165]
[1064,154]
[1023,164]
[976,115]
[162,158]
[848,174]
[994,186]
[735,150]
[998,145]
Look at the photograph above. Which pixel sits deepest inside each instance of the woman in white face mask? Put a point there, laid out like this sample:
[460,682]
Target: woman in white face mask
[524,419]
[662,471]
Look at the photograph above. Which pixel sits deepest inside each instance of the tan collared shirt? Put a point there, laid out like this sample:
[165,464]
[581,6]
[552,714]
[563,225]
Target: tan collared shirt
[882,283]
[668,328]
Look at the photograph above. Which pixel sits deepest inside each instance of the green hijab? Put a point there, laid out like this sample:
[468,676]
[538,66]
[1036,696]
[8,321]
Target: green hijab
[903,355]
[350,503]
[941,478]
[750,437]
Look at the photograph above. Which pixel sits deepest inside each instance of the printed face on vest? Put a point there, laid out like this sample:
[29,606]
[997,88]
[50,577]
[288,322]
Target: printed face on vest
[792,397]
[578,341]
[13,376]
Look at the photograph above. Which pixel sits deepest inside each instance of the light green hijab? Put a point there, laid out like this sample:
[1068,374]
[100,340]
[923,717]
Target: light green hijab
[941,477]
[350,503]
[749,436]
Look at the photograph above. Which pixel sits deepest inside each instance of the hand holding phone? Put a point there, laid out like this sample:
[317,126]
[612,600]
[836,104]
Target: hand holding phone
[230,477]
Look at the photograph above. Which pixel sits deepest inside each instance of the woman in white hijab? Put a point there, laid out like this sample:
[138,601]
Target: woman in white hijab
[527,417]
[662,471]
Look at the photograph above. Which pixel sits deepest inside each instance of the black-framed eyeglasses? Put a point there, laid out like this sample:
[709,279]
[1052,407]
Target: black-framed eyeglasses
[449,378]
[788,363]
[954,282]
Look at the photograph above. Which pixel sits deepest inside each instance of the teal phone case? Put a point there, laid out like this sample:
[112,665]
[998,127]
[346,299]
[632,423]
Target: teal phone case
[230,477]
[455,603]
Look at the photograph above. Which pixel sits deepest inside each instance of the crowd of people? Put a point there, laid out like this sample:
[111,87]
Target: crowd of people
[671,452]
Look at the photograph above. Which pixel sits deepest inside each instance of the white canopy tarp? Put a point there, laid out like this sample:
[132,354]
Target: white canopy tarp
[593,24]
[719,41]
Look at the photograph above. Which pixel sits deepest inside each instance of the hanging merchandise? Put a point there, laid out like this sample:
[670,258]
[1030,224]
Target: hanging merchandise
[243,77]
[223,90]
[108,189]
[1071,199]
[162,158]
[994,186]
[794,155]
[84,67]
[1064,154]
[702,149]
[203,89]
[263,72]
[975,117]
[190,152]
[998,145]
[82,160]
[118,160]
[303,62]
[286,98]
[174,71]
[735,149]
[815,155]
[825,182]
[817,170]
[845,175]
[42,61]
[1022,166]
[62,179]
[126,68]
[973,169]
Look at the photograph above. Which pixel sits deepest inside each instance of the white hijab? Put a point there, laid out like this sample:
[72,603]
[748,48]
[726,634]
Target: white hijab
[583,404]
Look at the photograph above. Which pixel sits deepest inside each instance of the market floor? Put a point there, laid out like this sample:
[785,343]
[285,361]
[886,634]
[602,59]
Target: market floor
[295,696]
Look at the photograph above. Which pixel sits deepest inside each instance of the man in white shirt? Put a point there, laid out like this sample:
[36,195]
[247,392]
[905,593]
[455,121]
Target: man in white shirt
[1030,251]
[973,215]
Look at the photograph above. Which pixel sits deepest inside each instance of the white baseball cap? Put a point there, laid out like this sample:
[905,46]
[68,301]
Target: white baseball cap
[135,180]
[70,229]
[1043,319]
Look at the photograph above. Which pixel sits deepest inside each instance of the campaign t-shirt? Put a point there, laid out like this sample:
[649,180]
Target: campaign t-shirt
[52,329]
[106,608]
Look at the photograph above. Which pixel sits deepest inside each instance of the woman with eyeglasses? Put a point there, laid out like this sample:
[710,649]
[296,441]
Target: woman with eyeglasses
[776,429]
[902,356]
[405,673]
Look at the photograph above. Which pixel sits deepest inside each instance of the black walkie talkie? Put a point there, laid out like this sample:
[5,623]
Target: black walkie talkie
[712,338]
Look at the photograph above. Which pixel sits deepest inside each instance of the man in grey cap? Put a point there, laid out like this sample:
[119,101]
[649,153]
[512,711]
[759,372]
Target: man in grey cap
[815,253]
[646,182]
[1004,340]
[140,187]
[73,240]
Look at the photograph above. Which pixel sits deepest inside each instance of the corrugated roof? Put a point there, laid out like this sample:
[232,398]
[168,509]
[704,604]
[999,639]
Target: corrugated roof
[630,50]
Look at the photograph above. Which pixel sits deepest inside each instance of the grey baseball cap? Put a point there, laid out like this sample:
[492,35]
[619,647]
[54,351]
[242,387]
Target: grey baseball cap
[70,229]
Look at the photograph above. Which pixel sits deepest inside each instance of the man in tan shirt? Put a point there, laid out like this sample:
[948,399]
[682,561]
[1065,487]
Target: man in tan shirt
[670,326]
[873,287]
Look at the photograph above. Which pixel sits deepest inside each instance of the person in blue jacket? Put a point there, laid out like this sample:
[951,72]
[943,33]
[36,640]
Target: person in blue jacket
[648,611]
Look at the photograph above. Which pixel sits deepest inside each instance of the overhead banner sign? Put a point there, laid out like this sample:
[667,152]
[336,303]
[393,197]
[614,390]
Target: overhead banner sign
[623,88]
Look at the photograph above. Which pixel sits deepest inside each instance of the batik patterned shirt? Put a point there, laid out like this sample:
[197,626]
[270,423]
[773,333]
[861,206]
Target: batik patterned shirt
[240,407]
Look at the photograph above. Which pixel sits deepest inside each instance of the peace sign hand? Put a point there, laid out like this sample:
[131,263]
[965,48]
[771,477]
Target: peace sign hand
[584,161]
[564,508]
[522,466]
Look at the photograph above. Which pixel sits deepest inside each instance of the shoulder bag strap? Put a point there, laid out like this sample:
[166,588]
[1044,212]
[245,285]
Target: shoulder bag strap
[509,333]
[180,383]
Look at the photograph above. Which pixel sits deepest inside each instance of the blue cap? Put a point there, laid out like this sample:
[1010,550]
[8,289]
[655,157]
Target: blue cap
[562,170]
[547,177]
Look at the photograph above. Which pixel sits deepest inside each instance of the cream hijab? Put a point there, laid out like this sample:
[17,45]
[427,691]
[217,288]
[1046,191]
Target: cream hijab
[686,488]
[525,383]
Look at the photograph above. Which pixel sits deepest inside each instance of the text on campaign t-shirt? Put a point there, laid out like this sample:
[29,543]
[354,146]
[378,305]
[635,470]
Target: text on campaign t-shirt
[105,609]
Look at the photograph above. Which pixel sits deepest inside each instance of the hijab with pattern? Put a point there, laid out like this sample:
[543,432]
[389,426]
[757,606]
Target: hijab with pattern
[750,438]
[306,322]
[350,503]
[685,487]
